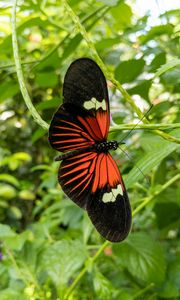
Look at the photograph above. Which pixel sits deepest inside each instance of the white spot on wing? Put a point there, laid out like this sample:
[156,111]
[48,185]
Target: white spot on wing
[94,104]
[111,196]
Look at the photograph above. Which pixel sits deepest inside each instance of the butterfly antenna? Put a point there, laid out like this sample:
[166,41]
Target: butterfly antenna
[130,158]
[137,123]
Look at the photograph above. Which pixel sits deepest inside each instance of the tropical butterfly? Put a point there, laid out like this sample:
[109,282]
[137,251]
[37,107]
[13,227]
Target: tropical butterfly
[88,174]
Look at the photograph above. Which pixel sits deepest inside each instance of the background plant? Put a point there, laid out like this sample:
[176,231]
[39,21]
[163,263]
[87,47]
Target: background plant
[49,249]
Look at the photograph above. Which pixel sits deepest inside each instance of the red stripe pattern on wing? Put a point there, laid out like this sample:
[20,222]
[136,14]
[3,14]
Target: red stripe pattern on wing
[82,175]
[69,132]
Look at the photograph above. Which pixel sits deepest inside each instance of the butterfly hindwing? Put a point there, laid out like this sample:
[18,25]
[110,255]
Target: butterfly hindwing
[92,180]
[111,219]
[76,177]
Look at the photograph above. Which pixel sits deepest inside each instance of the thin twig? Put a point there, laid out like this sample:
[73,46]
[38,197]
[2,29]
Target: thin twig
[144,126]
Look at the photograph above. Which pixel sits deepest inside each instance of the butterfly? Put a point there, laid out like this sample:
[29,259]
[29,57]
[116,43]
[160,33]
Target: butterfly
[88,174]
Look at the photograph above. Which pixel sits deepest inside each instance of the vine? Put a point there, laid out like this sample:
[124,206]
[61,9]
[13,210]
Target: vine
[20,74]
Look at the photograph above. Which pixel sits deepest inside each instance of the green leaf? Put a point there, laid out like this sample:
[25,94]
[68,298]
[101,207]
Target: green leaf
[122,15]
[125,296]
[55,102]
[159,59]
[170,288]
[169,291]
[128,70]
[10,179]
[62,260]
[102,286]
[166,67]
[9,293]
[107,43]
[156,31]
[6,45]
[49,63]
[166,214]
[39,133]
[142,89]
[174,271]
[71,46]
[15,212]
[22,156]
[27,195]
[8,89]
[42,167]
[159,110]
[172,79]
[109,2]
[17,241]
[47,79]
[7,191]
[142,257]
[6,232]
[161,150]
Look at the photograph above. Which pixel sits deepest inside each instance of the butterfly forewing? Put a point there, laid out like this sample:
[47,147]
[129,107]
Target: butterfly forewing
[84,81]
[89,177]
[66,132]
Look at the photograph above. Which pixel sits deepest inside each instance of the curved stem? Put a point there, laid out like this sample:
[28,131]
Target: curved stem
[20,75]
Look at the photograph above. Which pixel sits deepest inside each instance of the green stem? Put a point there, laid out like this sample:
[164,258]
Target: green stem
[144,126]
[160,190]
[109,74]
[21,275]
[11,64]
[141,292]
[15,264]
[85,269]
[20,75]
[106,243]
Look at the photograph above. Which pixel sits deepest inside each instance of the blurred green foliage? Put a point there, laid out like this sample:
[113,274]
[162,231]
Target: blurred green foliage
[45,240]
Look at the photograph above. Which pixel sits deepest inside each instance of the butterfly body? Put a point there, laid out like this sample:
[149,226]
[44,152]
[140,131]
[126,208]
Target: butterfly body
[88,174]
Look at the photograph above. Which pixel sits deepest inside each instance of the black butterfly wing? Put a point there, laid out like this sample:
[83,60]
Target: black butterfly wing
[83,118]
[109,208]
[84,81]
[92,180]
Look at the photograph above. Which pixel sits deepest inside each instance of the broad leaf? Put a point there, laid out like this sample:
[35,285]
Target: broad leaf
[166,67]
[103,287]
[156,31]
[62,260]
[143,257]
[142,89]
[151,159]
[10,179]
[122,15]
[6,232]
[128,70]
